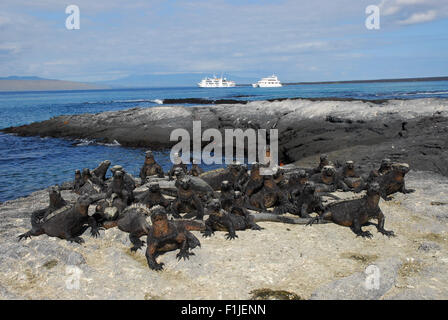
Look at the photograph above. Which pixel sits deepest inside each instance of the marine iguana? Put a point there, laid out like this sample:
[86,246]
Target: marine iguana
[56,203]
[327,180]
[221,220]
[349,179]
[69,224]
[166,235]
[235,173]
[178,164]
[308,201]
[154,197]
[385,167]
[201,188]
[255,181]
[78,182]
[393,181]
[195,170]
[187,201]
[270,196]
[101,170]
[227,195]
[357,213]
[324,161]
[150,167]
[91,185]
[133,221]
[129,181]
[296,184]
[118,187]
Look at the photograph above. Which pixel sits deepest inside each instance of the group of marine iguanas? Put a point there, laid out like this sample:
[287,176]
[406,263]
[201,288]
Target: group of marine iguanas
[223,196]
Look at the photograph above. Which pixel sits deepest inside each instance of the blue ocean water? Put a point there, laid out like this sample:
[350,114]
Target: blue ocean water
[28,164]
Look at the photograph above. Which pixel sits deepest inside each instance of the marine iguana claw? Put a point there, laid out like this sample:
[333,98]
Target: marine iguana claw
[78,240]
[231,236]
[312,221]
[24,236]
[365,234]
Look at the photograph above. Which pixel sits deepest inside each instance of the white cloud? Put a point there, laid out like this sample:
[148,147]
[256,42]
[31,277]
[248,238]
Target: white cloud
[420,17]
[406,12]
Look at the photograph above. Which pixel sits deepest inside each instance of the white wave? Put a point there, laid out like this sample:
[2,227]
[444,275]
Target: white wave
[158,101]
[113,144]
[84,142]
[424,93]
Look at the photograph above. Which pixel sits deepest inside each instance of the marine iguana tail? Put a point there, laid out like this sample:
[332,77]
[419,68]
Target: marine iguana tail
[271,217]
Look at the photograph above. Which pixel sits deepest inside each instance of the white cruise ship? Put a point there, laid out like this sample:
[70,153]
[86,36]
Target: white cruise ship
[216,83]
[269,82]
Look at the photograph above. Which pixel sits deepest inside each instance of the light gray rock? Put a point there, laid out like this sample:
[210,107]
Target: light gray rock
[372,284]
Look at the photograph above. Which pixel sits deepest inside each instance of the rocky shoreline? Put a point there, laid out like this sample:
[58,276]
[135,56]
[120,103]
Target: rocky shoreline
[412,131]
[282,261]
[318,262]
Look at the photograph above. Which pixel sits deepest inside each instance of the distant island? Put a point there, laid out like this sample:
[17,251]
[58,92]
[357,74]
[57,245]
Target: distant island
[33,83]
[15,83]
[373,81]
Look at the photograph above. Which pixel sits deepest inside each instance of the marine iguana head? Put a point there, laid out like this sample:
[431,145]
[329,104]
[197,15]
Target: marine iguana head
[329,171]
[309,187]
[179,173]
[350,165]
[55,194]
[324,159]
[83,203]
[214,205]
[116,168]
[104,164]
[158,214]
[225,186]
[154,187]
[86,175]
[401,168]
[385,166]
[149,157]
[279,173]
[118,176]
[185,183]
[349,169]
[373,189]
[235,168]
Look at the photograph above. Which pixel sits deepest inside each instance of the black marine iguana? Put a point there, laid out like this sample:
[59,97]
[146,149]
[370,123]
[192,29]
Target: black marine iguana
[69,224]
[154,197]
[221,220]
[166,235]
[357,213]
[56,203]
[150,167]
[393,181]
[187,201]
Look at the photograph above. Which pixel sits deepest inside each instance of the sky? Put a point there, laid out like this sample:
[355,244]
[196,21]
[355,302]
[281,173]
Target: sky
[299,40]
